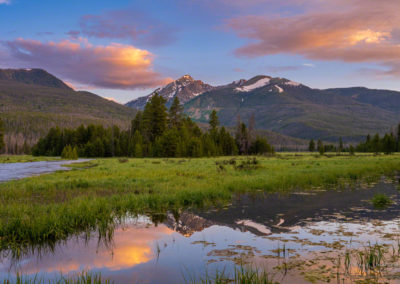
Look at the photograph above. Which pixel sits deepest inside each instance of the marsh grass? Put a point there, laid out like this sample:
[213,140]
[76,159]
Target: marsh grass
[381,201]
[98,194]
[241,275]
[25,158]
[80,278]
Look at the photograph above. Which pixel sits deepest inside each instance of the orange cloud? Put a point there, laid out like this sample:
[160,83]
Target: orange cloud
[113,66]
[350,31]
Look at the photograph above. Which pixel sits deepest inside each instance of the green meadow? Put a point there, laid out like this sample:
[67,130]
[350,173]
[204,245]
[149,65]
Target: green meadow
[98,194]
[24,159]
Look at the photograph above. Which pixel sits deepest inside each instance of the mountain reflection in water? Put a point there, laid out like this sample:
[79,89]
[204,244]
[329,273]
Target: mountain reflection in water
[252,227]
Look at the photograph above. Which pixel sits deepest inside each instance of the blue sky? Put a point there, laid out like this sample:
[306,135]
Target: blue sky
[124,49]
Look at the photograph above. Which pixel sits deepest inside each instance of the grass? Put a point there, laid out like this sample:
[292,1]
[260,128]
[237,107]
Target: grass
[241,275]
[80,278]
[25,159]
[98,194]
[381,201]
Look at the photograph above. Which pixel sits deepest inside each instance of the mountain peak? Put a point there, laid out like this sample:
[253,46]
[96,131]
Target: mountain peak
[185,77]
[33,76]
[185,88]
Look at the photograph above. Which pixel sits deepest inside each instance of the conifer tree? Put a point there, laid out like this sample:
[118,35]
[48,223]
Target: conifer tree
[398,138]
[320,146]
[340,144]
[2,144]
[136,124]
[311,146]
[154,117]
[175,114]
[213,120]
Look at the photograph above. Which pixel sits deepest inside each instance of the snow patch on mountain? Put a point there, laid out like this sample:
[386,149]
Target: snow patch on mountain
[280,90]
[260,83]
[291,83]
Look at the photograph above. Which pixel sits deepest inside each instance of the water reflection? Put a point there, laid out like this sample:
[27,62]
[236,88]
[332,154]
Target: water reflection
[282,233]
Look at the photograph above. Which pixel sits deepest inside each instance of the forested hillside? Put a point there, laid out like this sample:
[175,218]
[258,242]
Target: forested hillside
[31,105]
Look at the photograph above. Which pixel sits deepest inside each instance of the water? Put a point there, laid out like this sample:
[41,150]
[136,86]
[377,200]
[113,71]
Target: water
[297,238]
[11,171]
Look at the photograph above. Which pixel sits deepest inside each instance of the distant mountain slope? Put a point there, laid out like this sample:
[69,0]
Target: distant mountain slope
[185,88]
[296,110]
[30,109]
[37,77]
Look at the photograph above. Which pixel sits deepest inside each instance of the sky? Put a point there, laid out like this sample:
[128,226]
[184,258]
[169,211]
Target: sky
[125,49]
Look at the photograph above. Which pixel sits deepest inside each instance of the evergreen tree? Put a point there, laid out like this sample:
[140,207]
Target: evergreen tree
[136,124]
[311,146]
[175,114]
[340,144]
[213,120]
[154,118]
[2,144]
[320,147]
[261,146]
[388,144]
[398,138]
[351,150]
[376,144]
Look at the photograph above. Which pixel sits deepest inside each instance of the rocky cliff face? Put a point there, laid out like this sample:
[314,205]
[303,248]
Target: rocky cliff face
[185,88]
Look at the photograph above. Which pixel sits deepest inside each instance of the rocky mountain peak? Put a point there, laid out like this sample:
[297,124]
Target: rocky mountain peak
[185,88]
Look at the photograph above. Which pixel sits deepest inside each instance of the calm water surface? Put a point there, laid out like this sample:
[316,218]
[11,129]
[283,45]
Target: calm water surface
[297,238]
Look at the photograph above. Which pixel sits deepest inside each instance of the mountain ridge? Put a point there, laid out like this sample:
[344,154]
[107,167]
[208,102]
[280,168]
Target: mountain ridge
[296,110]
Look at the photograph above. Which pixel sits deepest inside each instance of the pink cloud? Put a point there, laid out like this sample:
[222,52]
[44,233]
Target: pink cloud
[116,65]
[125,24]
[349,31]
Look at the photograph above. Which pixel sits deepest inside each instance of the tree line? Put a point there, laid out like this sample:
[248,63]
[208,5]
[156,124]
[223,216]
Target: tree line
[155,132]
[387,144]
[2,144]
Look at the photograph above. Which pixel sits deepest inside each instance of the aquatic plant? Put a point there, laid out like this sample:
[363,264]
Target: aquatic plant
[80,278]
[381,201]
[241,275]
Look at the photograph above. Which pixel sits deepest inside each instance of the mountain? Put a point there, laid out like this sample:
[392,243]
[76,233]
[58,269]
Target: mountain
[185,88]
[37,77]
[33,101]
[296,110]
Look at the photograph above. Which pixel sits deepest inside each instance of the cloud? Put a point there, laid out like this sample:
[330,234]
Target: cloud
[349,31]
[237,70]
[114,66]
[5,2]
[125,24]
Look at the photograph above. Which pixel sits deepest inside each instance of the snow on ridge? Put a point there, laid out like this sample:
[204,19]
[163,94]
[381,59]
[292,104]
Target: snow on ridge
[260,83]
[291,83]
[280,90]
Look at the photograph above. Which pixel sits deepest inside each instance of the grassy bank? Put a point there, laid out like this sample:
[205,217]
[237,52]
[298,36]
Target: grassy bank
[93,195]
[25,159]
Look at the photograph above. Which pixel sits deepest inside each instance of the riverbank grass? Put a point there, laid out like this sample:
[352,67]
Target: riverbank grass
[96,194]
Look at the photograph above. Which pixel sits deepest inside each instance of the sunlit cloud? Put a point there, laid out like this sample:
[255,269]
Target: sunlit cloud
[360,31]
[115,65]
